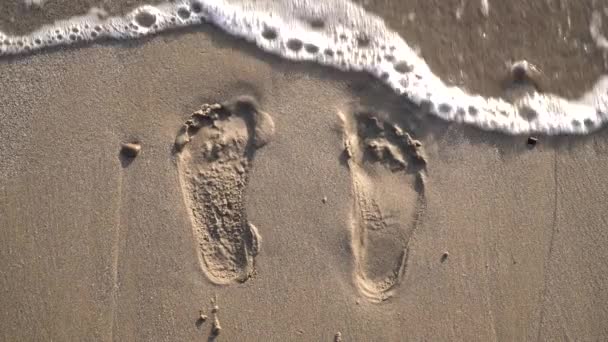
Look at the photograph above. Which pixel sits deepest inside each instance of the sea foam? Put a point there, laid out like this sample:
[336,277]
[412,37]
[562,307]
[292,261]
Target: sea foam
[339,34]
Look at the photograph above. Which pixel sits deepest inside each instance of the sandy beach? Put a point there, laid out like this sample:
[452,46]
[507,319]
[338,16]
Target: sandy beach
[321,207]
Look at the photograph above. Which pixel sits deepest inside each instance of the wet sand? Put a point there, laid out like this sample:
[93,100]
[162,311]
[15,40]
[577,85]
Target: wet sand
[509,243]
[467,48]
[23,16]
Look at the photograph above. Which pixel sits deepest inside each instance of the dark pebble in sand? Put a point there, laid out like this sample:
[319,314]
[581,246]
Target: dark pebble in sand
[444,256]
[532,141]
[130,150]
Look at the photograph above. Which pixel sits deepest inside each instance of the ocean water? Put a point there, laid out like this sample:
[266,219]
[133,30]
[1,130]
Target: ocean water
[340,34]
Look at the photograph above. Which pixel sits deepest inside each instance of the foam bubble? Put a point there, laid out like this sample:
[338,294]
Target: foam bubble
[340,34]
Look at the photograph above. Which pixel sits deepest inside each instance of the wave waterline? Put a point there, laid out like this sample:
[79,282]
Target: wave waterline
[339,34]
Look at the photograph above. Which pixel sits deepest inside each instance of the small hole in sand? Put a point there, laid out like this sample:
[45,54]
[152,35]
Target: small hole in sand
[294,44]
[528,113]
[97,28]
[363,41]
[402,67]
[445,108]
[426,106]
[343,36]
[317,23]
[588,123]
[311,48]
[75,30]
[329,52]
[37,41]
[20,43]
[93,34]
[196,7]
[473,111]
[145,19]
[183,13]
[384,76]
[269,33]
[72,37]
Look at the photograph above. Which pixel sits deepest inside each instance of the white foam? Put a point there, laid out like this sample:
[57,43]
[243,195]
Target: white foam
[340,34]
[485,8]
[34,3]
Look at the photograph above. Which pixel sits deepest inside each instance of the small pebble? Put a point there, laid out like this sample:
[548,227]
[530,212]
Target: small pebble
[444,256]
[324,200]
[532,141]
[338,337]
[203,317]
[130,150]
[217,328]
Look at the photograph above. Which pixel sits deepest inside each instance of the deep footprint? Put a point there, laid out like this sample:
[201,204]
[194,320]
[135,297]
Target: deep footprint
[215,149]
[387,170]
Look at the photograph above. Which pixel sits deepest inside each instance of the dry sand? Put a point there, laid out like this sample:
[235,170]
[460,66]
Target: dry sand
[363,234]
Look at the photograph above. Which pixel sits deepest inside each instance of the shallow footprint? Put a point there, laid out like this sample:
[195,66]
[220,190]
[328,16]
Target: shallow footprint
[215,149]
[387,171]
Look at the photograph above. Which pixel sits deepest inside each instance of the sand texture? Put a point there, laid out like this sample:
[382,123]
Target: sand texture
[188,187]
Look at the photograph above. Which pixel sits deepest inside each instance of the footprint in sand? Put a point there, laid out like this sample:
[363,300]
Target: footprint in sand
[215,149]
[387,170]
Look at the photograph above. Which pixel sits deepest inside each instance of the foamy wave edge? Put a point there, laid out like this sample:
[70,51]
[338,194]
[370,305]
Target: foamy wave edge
[339,34]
